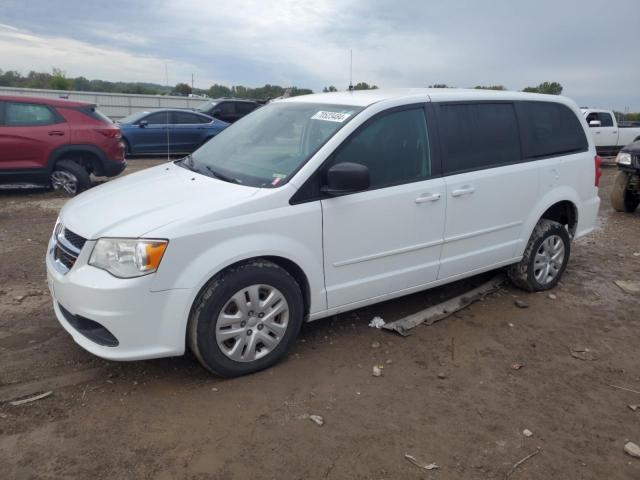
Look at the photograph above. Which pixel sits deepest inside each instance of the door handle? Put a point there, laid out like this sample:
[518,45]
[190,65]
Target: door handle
[466,190]
[57,133]
[428,197]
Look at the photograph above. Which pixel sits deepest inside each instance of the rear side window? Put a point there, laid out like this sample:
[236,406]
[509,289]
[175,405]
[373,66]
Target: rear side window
[477,136]
[551,129]
[395,148]
[186,118]
[17,114]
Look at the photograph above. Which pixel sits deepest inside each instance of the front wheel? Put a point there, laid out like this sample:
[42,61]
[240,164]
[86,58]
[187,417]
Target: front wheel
[70,177]
[245,319]
[622,198]
[545,258]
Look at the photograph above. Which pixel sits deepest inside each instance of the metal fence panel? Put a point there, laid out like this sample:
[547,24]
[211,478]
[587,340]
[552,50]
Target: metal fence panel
[114,105]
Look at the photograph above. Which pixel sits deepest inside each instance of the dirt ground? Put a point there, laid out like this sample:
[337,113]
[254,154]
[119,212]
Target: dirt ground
[449,393]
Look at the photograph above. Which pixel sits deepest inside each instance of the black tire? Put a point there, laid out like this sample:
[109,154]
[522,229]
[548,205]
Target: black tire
[127,147]
[623,199]
[70,177]
[523,273]
[201,334]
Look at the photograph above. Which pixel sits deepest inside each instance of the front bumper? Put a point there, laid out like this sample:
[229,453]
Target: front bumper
[146,324]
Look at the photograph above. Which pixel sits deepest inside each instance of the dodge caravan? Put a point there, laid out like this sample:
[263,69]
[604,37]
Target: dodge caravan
[316,205]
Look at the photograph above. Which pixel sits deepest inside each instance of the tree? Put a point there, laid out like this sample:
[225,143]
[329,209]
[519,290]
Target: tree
[217,91]
[330,88]
[59,80]
[439,85]
[364,86]
[550,88]
[182,89]
[490,87]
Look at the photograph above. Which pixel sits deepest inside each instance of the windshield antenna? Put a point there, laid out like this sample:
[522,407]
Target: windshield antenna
[351,70]
[166,127]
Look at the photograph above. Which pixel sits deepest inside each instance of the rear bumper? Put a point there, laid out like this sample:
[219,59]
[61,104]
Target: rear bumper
[588,217]
[111,168]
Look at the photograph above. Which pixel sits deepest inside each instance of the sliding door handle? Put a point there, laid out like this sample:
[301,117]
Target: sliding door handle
[465,190]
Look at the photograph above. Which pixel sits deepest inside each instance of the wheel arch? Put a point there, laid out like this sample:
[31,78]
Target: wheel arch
[89,156]
[561,205]
[291,267]
[564,212]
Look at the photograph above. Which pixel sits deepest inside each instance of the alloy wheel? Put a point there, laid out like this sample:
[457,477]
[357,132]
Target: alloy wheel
[63,180]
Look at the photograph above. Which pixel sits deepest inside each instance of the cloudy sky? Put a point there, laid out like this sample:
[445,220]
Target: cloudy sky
[589,46]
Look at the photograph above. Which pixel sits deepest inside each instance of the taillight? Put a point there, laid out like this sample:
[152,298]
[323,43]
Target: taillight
[110,132]
[598,166]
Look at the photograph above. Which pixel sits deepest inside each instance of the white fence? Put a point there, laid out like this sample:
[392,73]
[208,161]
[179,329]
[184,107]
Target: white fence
[114,105]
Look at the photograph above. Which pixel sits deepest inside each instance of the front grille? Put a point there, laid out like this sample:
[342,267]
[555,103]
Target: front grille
[67,248]
[65,258]
[74,239]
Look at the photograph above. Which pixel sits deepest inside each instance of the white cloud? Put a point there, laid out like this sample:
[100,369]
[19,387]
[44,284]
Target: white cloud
[306,43]
[24,51]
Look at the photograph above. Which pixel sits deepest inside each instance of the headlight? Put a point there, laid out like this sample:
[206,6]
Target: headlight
[127,258]
[623,158]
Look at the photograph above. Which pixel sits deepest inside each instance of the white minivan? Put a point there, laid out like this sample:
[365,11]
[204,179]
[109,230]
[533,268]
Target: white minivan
[316,205]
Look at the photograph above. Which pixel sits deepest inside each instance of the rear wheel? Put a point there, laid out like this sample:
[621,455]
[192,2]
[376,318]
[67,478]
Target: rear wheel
[127,147]
[545,258]
[622,198]
[246,319]
[70,177]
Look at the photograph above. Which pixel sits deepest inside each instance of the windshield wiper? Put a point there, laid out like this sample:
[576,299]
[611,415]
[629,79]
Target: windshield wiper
[222,176]
[187,162]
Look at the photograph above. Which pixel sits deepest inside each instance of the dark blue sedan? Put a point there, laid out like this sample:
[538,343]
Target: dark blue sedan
[165,131]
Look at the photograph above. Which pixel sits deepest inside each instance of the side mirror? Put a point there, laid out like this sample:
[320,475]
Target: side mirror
[595,123]
[345,178]
[143,123]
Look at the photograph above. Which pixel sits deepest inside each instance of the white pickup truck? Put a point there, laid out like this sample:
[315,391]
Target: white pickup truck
[608,136]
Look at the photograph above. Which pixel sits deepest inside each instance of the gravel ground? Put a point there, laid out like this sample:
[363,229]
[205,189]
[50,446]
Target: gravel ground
[448,394]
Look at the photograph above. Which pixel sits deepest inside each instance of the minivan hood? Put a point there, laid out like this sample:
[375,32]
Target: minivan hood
[138,203]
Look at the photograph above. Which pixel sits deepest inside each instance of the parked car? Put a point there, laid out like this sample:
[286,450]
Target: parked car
[609,136]
[316,205]
[58,143]
[625,196]
[228,109]
[172,131]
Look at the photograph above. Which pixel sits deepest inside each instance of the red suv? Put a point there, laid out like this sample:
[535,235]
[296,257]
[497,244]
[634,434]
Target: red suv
[57,142]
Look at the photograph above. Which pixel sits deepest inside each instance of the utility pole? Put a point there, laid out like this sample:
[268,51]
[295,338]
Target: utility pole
[191,82]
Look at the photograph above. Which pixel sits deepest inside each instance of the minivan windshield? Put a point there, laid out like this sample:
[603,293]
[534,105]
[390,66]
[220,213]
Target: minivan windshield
[206,106]
[266,147]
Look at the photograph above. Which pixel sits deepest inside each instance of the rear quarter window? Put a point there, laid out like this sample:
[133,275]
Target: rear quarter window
[92,112]
[550,129]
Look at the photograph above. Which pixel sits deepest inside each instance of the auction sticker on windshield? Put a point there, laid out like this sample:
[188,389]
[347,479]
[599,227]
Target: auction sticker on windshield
[331,116]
